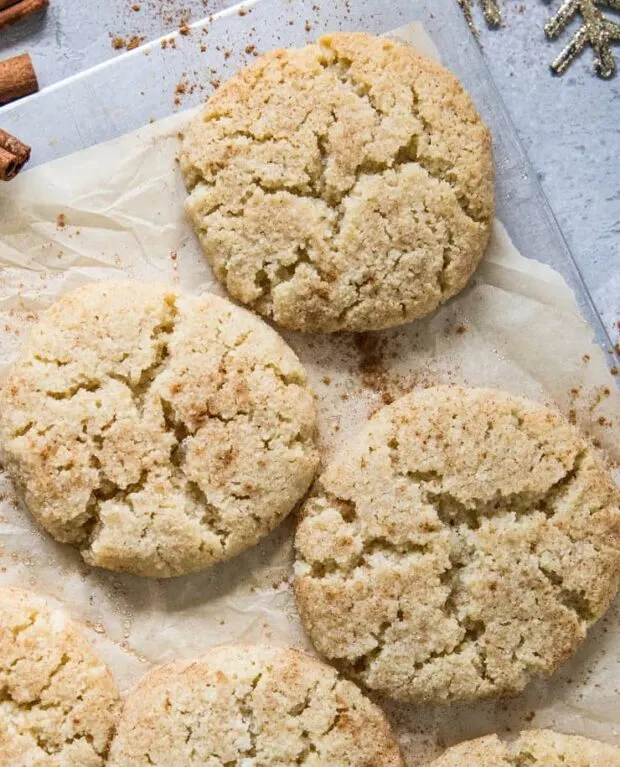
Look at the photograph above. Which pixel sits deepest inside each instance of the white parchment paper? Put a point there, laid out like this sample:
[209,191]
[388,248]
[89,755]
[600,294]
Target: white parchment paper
[517,327]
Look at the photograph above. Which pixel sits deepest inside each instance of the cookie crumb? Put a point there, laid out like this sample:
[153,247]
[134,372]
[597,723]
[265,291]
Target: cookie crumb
[134,42]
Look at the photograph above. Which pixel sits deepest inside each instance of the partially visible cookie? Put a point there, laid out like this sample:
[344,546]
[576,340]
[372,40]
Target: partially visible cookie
[158,433]
[459,547]
[251,705]
[533,747]
[58,702]
[347,185]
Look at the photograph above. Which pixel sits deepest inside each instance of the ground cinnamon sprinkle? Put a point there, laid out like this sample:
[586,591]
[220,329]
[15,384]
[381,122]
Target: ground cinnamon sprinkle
[61,221]
[371,351]
[118,43]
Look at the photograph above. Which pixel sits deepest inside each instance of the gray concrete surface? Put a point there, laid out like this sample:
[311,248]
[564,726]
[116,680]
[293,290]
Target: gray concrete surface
[570,126]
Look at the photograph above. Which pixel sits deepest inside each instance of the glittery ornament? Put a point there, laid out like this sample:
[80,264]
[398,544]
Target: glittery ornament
[597,31]
[490,8]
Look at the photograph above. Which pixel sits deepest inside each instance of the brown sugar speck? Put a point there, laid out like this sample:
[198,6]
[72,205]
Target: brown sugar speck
[242,12]
[614,371]
[135,8]
[61,221]
[586,358]
[307,26]
[460,329]
[118,43]
[251,50]
[227,54]
[326,380]
[184,29]
[572,416]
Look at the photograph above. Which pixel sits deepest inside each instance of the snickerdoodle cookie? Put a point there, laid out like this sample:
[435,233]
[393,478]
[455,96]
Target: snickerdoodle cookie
[158,433]
[542,748]
[58,702]
[462,545]
[251,705]
[347,185]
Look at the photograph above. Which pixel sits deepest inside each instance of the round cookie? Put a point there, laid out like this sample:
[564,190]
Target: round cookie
[251,705]
[461,546]
[533,747]
[58,702]
[347,185]
[158,433]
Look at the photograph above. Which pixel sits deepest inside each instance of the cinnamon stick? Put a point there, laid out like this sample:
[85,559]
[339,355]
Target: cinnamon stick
[14,154]
[8,165]
[17,78]
[11,14]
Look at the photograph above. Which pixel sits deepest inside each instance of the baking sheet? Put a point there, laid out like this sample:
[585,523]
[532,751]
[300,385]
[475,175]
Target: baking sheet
[115,211]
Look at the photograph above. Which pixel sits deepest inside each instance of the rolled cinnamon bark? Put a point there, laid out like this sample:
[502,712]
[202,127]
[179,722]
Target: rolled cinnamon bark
[11,13]
[17,78]
[14,154]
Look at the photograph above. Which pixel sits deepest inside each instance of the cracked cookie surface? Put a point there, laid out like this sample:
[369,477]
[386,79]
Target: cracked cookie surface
[347,185]
[462,545]
[531,748]
[58,702]
[157,433]
[242,705]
